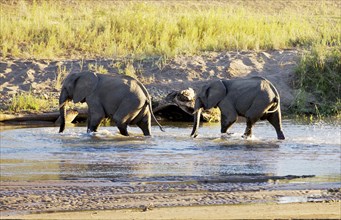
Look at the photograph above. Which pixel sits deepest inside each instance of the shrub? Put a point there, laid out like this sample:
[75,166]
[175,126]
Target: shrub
[29,102]
[319,73]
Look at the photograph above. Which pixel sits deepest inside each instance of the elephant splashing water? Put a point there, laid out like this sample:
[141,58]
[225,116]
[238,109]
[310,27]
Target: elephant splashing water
[254,98]
[122,98]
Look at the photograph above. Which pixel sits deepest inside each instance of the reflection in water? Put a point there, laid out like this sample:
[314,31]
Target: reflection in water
[42,153]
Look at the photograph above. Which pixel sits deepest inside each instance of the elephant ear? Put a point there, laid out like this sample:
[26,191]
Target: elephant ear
[84,85]
[215,93]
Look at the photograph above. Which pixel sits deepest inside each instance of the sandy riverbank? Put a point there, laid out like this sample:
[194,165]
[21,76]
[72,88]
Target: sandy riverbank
[40,77]
[109,200]
[253,211]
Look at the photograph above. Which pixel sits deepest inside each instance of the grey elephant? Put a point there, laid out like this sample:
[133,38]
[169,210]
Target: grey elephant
[254,98]
[122,98]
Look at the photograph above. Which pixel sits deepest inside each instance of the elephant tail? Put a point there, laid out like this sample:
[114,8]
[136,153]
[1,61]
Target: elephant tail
[276,100]
[149,103]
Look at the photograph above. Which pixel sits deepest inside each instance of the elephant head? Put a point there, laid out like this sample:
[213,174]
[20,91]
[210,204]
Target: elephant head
[209,97]
[76,87]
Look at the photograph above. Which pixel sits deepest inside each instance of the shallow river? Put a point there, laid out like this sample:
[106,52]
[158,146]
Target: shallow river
[41,153]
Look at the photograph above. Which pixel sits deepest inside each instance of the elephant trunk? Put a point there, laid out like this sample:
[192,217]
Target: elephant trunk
[197,116]
[62,110]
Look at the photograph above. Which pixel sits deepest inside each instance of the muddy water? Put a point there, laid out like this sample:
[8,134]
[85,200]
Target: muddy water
[41,153]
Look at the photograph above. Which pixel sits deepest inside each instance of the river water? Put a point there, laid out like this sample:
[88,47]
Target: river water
[41,153]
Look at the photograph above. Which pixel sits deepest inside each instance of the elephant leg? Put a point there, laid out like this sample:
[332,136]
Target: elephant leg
[255,112]
[226,123]
[121,120]
[143,120]
[95,118]
[248,130]
[228,118]
[275,121]
[122,127]
[88,121]
[144,124]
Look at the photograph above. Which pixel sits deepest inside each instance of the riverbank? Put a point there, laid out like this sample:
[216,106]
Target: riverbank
[33,86]
[254,211]
[236,199]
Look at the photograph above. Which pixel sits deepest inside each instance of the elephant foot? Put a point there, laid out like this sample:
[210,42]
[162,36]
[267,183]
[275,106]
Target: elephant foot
[281,137]
[194,135]
[147,134]
[245,136]
[123,131]
[226,135]
[125,134]
[90,131]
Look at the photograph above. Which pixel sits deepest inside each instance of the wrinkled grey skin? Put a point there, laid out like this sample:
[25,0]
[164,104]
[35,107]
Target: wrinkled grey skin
[123,99]
[254,98]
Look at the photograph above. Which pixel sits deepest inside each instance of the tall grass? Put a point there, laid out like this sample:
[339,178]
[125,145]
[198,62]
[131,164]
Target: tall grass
[57,29]
[319,73]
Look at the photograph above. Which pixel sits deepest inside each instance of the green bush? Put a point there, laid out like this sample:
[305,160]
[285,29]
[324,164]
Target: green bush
[28,102]
[319,73]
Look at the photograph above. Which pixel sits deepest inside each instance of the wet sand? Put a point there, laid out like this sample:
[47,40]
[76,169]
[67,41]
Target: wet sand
[109,200]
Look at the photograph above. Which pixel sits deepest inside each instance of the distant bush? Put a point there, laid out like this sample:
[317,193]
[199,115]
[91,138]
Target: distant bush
[58,29]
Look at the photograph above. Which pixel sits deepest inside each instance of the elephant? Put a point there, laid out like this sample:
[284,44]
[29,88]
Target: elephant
[122,98]
[254,98]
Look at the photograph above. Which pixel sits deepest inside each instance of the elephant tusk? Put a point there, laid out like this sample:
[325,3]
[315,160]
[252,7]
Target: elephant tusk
[62,105]
[195,111]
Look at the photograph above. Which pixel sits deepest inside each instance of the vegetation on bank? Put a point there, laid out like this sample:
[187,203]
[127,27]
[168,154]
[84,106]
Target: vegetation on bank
[46,29]
[319,74]
[28,102]
[55,29]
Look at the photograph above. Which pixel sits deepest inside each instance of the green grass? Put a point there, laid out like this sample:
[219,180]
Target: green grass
[83,29]
[319,73]
[28,102]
